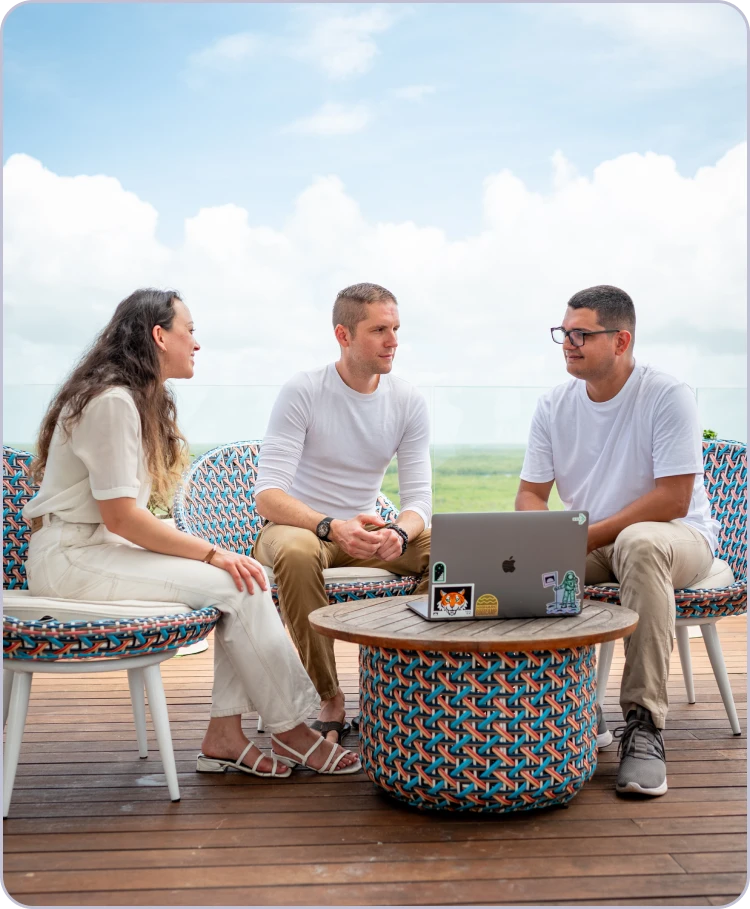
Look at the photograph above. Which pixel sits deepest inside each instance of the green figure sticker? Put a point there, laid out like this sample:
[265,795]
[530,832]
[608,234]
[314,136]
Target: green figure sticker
[567,595]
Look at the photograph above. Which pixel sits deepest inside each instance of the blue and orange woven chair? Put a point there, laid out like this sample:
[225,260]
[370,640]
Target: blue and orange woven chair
[724,591]
[44,634]
[216,501]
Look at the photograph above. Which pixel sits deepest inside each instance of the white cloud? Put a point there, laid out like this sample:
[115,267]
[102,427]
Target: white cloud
[414,92]
[332,120]
[344,45]
[226,53]
[475,310]
[696,33]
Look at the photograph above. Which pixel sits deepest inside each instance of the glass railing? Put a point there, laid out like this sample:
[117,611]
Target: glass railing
[478,433]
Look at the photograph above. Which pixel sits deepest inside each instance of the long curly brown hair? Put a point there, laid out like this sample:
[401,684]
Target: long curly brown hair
[125,354]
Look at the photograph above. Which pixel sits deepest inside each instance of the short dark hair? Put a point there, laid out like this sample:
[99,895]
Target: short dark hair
[349,308]
[613,307]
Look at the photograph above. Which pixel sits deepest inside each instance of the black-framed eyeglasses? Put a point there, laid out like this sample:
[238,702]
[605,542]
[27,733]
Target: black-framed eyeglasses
[577,336]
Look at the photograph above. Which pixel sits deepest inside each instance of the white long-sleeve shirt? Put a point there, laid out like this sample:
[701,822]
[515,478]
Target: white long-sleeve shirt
[329,446]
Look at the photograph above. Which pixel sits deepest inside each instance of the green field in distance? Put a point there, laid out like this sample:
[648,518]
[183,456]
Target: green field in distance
[469,478]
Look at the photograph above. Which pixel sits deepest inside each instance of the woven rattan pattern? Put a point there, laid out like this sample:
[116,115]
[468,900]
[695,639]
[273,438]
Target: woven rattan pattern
[51,640]
[478,732]
[104,638]
[725,478]
[18,488]
[216,501]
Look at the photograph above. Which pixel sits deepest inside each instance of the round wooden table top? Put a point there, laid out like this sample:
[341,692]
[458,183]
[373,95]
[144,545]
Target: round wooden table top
[388,622]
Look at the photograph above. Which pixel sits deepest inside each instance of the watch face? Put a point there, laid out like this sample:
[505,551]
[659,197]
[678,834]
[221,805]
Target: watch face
[323,529]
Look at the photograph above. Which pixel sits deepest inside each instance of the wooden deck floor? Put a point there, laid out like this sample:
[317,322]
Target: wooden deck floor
[90,824]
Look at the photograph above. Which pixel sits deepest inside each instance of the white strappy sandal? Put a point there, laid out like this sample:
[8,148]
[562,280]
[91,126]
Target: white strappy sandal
[220,765]
[331,765]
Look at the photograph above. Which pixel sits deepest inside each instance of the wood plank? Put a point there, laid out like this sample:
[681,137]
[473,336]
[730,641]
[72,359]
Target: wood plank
[273,875]
[524,829]
[235,802]
[429,850]
[376,627]
[501,891]
[295,820]
[700,862]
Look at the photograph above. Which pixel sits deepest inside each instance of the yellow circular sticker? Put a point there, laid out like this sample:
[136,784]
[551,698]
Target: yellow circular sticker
[486,605]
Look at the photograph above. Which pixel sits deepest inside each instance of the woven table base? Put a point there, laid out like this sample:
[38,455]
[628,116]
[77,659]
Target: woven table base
[478,732]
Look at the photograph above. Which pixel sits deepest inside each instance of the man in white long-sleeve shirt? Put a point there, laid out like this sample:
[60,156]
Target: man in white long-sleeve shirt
[332,433]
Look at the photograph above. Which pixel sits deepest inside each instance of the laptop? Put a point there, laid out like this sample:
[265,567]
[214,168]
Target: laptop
[515,564]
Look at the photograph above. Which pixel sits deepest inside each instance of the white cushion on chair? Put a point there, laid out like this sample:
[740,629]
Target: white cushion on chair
[21,605]
[348,575]
[720,575]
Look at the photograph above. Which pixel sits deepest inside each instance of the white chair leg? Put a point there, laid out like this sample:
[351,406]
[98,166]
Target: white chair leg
[715,655]
[683,646]
[136,684]
[261,724]
[157,704]
[602,670]
[7,688]
[19,705]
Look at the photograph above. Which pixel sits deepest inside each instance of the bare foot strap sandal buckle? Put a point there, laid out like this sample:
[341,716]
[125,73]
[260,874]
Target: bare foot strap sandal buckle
[330,765]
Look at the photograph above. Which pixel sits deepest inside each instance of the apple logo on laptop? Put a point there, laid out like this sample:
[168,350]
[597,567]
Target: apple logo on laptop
[509,565]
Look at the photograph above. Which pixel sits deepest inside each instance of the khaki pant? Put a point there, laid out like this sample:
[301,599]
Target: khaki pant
[298,559]
[649,560]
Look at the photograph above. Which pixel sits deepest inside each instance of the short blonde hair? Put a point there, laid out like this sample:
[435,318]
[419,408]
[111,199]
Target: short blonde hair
[349,308]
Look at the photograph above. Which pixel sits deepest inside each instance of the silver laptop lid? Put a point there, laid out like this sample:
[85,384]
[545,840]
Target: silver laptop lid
[507,564]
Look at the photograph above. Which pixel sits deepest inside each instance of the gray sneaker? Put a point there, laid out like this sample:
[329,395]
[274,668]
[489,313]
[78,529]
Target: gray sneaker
[603,735]
[643,768]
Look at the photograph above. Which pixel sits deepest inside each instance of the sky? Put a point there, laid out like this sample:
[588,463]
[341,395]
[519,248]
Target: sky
[482,161]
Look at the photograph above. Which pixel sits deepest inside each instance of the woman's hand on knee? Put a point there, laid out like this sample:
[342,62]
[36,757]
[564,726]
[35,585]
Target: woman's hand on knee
[242,568]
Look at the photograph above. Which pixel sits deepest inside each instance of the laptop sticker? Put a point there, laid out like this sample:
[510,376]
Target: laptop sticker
[486,605]
[439,573]
[579,519]
[454,601]
[567,594]
[549,579]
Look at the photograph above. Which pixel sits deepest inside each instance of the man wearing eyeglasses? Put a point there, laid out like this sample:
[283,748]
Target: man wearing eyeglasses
[623,442]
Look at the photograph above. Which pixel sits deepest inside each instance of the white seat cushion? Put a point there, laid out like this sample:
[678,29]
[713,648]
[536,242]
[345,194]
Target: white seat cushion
[719,575]
[348,575]
[21,605]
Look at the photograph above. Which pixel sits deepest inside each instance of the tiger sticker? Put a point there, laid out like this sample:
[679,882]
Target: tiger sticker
[453,602]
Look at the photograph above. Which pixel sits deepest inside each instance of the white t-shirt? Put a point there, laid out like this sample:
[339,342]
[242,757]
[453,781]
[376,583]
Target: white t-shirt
[605,456]
[329,446]
[102,458]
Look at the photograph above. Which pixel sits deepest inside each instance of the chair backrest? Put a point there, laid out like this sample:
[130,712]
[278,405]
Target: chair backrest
[18,488]
[216,498]
[725,476]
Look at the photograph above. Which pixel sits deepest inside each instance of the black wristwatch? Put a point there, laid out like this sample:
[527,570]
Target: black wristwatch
[323,530]
[402,533]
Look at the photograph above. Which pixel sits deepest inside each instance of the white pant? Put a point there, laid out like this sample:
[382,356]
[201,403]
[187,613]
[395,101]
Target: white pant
[255,664]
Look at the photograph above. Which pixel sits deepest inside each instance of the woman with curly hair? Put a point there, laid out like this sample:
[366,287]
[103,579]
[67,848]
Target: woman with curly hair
[108,442]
